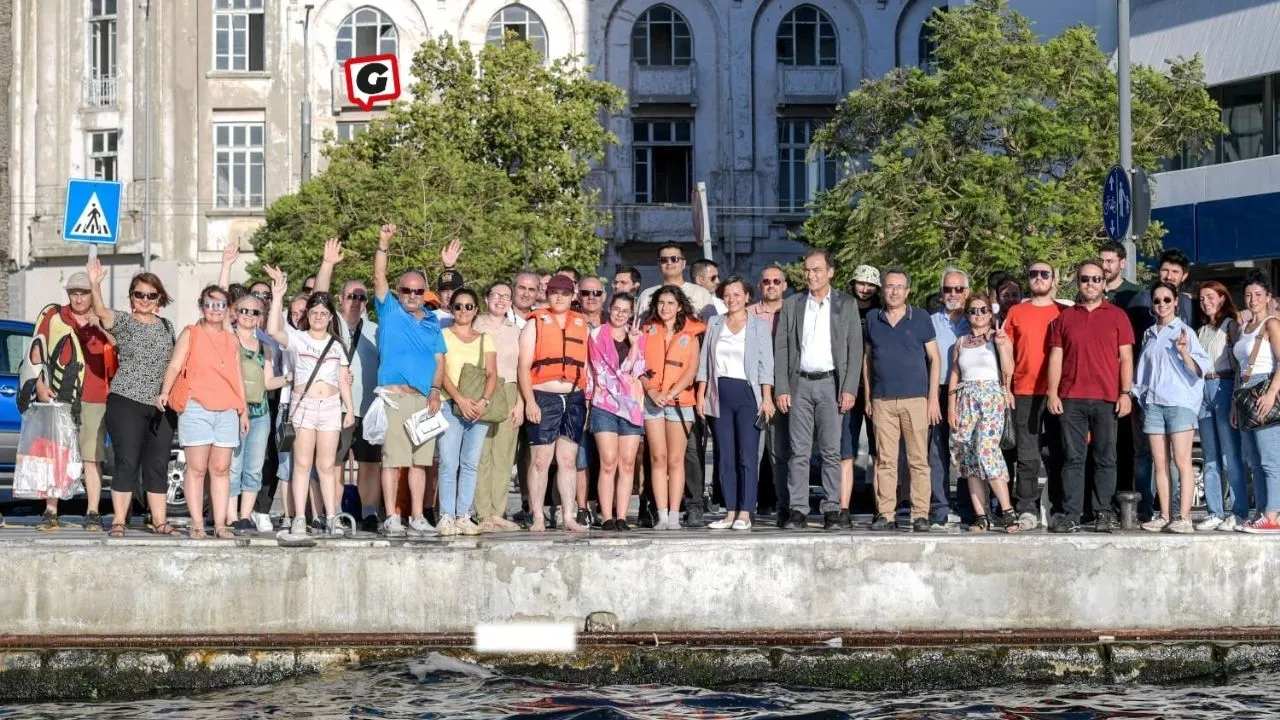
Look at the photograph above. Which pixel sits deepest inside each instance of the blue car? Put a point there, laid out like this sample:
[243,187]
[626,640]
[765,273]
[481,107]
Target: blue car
[16,338]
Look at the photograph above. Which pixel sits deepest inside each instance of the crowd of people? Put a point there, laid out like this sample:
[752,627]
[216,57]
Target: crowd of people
[611,393]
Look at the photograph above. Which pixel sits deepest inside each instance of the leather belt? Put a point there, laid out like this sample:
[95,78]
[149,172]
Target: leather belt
[817,375]
[1219,376]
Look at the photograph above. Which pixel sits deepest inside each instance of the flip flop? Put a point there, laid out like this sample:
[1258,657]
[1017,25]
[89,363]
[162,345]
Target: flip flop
[164,528]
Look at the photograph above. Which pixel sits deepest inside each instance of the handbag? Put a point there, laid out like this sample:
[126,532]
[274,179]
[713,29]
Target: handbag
[471,382]
[1246,398]
[1009,435]
[284,443]
[347,436]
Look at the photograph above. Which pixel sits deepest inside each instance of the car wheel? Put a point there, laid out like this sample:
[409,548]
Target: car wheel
[176,495]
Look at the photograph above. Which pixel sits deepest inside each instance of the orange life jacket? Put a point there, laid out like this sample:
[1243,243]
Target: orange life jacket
[559,354]
[669,357]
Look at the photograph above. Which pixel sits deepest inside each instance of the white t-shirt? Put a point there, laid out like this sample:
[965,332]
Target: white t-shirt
[305,351]
[731,354]
[698,296]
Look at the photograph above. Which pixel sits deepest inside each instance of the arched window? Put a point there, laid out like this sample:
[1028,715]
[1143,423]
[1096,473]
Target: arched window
[367,31]
[807,37]
[661,37]
[522,21]
[927,45]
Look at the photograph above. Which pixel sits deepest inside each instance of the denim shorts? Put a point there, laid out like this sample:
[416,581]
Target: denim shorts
[669,413]
[606,422]
[197,426]
[1167,419]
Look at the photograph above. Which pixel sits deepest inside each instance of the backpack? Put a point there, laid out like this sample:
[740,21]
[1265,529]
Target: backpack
[54,338]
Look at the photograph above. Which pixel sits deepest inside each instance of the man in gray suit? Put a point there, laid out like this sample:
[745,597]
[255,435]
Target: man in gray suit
[817,352]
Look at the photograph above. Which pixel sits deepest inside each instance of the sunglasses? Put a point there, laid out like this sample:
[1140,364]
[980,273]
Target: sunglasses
[252,312]
[1162,301]
[591,293]
[1040,274]
[214,304]
[771,281]
[1090,279]
[463,307]
[978,311]
[953,289]
[263,296]
[139,295]
[358,297]
[413,291]
[670,259]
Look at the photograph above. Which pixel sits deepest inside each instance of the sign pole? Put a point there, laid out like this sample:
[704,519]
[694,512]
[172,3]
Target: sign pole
[306,92]
[1126,129]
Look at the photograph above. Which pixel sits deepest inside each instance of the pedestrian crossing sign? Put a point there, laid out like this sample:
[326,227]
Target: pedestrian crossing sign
[92,212]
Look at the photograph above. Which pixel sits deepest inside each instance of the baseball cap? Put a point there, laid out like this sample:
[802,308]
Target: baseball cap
[79,281]
[560,283]
[430,298]
[449,280]
[867,274]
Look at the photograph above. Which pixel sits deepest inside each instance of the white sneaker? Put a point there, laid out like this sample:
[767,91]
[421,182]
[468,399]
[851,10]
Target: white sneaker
[299,527]
[1028,521]
[464,526]
[262,522]
[724,524]
[391,527]
[1213,522]
[662,521]
[419,527]
[333,527]
[1157,523]
[1229,524]
[1181,526]
[445,527]
[741,524]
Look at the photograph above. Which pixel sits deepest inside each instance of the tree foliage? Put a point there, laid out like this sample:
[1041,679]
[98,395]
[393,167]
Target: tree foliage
[495,147]
[996,156]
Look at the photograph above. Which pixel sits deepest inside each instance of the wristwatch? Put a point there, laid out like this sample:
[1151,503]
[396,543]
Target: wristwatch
[486,401]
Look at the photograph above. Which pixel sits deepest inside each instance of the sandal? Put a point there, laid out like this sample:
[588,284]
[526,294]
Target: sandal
[222,533]
[164,528]
[980,524]
[197,533]
[1009,518]
[116,531]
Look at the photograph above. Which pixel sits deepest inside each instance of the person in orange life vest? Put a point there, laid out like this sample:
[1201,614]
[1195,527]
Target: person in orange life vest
[671,356]
[553,378]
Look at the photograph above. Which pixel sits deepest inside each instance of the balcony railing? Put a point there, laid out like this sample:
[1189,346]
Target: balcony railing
[100,91]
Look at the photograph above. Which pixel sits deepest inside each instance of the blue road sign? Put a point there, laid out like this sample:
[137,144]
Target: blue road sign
[93,212]
[1117,203]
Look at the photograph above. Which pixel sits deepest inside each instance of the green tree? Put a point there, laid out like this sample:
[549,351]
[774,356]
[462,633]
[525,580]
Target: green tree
[494,148]
[996,155]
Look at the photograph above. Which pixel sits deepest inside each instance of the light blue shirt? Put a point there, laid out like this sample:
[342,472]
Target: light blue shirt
[946,333]
[364,362]
[1162,378]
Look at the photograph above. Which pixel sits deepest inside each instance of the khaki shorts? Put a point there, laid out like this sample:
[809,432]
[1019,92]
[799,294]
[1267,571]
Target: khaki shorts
[398,450]
[93,432]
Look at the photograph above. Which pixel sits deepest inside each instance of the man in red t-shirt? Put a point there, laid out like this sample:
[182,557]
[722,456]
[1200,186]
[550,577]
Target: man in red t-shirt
[1090,376]
[78,314]
[1027,325]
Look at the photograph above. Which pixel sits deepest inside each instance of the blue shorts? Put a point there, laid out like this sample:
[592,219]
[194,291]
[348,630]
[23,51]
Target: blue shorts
[669,413]
[197,426]
[563,415]
[603,421]
[1167,419]
[851,424]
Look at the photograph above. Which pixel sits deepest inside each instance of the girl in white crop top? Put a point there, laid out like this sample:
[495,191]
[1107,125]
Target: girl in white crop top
[1260,445]
[978,395]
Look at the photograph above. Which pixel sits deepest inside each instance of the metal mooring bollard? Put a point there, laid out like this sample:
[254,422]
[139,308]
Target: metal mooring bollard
[1128,509]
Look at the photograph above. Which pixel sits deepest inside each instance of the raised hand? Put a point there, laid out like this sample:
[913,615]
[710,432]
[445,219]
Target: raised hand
[279,280]
[1182,343]
[332,251]
[230,254]
[96,272]
[385,233]
[450,253]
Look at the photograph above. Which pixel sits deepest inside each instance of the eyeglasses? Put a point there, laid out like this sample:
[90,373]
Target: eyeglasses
[263,296]
[620,309]
[1040,274]
[1090,279]
[500,296]
[670,259]
[953,289]
[983,310]
[358,297]
[767,282]
[463,307]
[139,295]
[1162,301]
[413,291]
[214,304]
[591,293]
[250,311]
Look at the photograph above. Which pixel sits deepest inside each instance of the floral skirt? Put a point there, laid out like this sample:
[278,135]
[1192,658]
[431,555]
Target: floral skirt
[975,439]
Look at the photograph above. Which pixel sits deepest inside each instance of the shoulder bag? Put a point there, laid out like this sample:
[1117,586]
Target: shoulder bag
[284,442]
[471,382]
[1246,398]
[1008,436]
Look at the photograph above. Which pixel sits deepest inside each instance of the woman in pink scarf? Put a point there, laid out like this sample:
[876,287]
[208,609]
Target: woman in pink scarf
[616,352]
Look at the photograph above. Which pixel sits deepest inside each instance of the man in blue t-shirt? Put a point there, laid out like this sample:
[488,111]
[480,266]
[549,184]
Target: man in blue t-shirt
[410,373]
[902,366]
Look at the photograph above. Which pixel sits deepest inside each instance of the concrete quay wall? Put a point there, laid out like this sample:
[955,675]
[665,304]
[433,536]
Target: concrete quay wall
[663,583]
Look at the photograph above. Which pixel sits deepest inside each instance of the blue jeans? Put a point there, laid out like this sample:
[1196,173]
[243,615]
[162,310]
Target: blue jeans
[249,455]
[1221,445]
[1143,477]
[459,449]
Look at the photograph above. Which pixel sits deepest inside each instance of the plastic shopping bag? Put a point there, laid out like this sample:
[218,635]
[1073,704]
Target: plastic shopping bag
[374,422]
[48,454]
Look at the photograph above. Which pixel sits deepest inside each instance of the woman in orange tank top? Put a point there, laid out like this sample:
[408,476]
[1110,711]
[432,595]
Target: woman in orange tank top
[671,356]
[203,384]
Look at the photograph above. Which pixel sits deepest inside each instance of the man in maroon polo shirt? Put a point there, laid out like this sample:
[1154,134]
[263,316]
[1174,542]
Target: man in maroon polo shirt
[1090,375]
